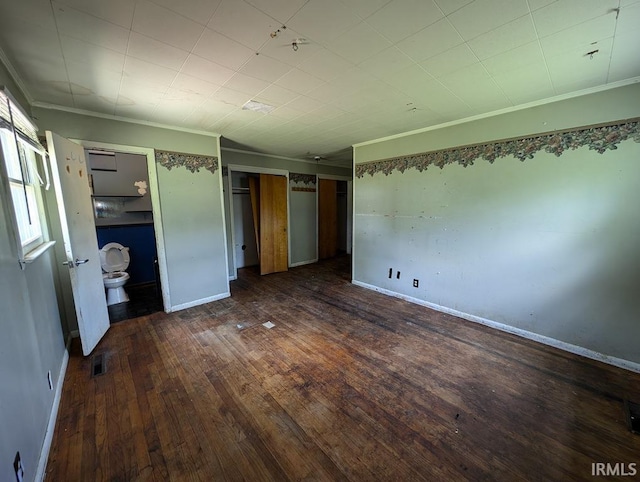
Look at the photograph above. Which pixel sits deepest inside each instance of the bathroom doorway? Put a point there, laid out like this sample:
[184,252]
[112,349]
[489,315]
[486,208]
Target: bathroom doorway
[121,185]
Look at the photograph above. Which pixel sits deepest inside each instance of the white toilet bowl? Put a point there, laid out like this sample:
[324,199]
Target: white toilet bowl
[114,259]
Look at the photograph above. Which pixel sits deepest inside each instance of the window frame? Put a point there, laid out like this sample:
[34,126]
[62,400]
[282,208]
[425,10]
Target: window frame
[21,157]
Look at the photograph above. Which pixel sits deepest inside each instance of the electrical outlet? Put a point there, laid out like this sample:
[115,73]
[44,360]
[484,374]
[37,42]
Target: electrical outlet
[50,380]
[398,275]
[416,283]
[18,468]
[390,272]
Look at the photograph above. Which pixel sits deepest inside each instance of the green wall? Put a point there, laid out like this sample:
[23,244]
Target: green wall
[547,246]
[31,345]
[191,203]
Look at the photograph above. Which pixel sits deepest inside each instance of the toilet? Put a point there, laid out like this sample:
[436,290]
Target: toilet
[114,259]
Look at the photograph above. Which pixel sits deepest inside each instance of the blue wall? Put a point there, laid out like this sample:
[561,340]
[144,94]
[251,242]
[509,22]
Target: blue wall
[140,239]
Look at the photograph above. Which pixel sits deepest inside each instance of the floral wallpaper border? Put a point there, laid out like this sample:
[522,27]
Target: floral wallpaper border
[598,138]
[302,178]
[192,162]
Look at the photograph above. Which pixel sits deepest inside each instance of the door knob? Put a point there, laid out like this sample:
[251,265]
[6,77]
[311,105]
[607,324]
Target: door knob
[77,262]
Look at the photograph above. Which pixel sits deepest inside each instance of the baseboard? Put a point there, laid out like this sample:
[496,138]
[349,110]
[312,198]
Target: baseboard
[302,263]
[53,416]
[199,302]
[562,345]
[233,277]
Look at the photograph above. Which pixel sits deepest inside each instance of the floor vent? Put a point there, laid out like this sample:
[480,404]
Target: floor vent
[632,410]
[98,365]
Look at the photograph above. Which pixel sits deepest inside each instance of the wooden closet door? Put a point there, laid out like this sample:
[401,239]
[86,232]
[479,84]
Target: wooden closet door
[327,218]
[274,244]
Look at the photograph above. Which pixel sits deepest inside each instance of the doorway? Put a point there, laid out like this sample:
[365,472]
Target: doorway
[334,217]
[136,220]
[259,208]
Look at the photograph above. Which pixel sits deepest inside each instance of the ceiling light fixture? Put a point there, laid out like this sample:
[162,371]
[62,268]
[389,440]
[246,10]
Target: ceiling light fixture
[592,53]
[256,106]
[294,46]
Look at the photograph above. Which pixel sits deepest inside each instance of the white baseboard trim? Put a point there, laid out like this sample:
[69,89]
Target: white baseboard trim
[233,278]
[53,416]
[575,349]
[199,302]
[302,263]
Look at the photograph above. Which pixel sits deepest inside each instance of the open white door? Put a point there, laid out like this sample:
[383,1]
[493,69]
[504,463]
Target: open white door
[69,172]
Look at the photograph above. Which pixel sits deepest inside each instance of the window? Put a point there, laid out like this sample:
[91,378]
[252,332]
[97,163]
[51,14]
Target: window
[20,153]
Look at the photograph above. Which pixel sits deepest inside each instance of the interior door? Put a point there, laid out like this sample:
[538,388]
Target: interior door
[69,172]
[274,241]
[327,218]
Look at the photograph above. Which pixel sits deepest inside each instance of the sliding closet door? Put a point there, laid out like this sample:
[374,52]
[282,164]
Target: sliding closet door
[274,244]
[327,218]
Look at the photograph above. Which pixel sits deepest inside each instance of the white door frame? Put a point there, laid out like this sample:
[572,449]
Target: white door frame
[255,170]
[155,206]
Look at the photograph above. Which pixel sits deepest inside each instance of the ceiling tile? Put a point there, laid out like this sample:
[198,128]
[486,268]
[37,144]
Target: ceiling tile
[222,50]
[197,10]
[474,86]
[94,103]
[325,65]
[482,16]
[36,14]
[281,10]
[364,8]
[206,70]
[86,27]
[51,93]
[431,41]
[624,57]
[134,92]
[574,71]
[92,55]
[119,12]
[230,97]
[28,41]
[629,19]
[242,22]
[386,63]
[515,59]
[538,4]
[148,72]
[400,19]
[156,52]
[527,83]
[450,61]
[84,78]
[299,81]
[323,20]
[506,37]
[359,43]
[165,25]
[410,80]
[135,111]
[265,68]
[563,14]
[193,85]
[246,84]
[583,37]
[450,6]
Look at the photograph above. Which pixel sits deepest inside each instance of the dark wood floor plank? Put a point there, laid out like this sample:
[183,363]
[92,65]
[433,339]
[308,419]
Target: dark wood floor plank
[348,385]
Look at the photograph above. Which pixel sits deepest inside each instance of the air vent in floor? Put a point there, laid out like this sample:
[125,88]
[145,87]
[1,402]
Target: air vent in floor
[632,410]
[98,365]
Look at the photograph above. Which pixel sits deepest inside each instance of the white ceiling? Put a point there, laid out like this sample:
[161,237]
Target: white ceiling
[368,68]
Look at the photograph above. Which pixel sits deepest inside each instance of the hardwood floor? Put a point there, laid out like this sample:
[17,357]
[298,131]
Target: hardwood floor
[348,385]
